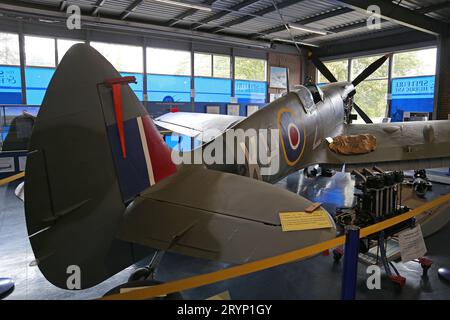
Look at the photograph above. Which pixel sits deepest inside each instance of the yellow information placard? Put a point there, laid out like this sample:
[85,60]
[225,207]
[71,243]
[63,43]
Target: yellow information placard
[296,221]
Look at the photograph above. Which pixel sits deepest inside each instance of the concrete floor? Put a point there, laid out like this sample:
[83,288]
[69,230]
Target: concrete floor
[316,278]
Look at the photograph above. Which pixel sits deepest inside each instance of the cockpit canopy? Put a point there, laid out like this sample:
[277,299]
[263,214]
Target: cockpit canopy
[309,95]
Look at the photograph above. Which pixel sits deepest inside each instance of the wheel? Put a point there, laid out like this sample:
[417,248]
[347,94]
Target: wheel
[140,274]
[337,254]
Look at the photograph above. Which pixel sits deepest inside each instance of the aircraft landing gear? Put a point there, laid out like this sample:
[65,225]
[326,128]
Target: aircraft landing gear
[145,277]
[337,254]
[148,272]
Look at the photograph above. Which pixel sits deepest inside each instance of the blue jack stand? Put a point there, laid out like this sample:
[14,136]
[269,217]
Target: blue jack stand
[6,287]
[351,251]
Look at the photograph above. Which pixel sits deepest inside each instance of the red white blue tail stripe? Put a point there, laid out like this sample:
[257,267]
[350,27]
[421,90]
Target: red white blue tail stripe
[148,158]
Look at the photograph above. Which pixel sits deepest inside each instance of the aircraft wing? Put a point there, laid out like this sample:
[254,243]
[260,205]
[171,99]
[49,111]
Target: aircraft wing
[404,145]
[197,125]
[219,216]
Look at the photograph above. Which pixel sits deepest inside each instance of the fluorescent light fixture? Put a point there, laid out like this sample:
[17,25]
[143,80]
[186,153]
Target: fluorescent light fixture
[307,29]
[296,42]
[197,6]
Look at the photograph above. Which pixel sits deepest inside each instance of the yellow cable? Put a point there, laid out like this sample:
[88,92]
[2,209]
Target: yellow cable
[232,272]
[12,178]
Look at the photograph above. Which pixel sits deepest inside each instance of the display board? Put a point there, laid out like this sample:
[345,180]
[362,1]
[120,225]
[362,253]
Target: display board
[412,94]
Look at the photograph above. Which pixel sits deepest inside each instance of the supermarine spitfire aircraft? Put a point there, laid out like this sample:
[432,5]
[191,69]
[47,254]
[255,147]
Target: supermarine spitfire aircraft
[102,191]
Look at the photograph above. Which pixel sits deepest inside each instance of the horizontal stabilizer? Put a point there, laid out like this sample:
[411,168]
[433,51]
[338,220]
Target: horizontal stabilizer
[197,125]
[217,216]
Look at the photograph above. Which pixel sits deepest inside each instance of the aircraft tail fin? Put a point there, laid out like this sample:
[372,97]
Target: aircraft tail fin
[93,149]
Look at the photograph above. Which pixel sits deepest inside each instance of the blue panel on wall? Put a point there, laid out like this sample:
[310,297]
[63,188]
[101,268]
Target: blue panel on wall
[250,91]
[168,88]
[138,87]
[10,85]
[412,94]
[180,142]
[37,80]
[212,90]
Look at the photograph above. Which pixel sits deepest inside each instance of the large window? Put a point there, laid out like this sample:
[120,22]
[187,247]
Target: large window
[250,85]
[211,65]
[413,82]
[168,75]
[9,49]
[165,61]
[371,94]
[128,60]
[122,57]
[40,66]
[10,80]
[338,68]
[63,46]
[212,78]
[40,52]
[415,63]
[250,69]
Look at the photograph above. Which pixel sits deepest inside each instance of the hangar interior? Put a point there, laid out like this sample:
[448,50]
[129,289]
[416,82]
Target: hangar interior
[235,58]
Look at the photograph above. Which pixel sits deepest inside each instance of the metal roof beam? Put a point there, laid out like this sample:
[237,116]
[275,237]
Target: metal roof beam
[187,13]
[341,28]
[400,15]
[97,6]
[304,21]
[223,13]
[255,14]
[62,5]
[434,7]
[129,10]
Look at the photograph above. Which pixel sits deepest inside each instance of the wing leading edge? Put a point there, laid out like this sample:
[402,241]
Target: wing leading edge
[405,145]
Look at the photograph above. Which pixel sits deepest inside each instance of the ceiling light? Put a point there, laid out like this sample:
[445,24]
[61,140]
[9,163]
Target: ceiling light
[296,42]
[307,29]
[187,5]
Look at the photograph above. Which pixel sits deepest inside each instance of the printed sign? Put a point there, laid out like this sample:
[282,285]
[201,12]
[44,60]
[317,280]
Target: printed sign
[413,94]
[22,163]
[412,245]
[278,77]
[7,164]
[251,109]
[233,109]
[213,109]
[296,221]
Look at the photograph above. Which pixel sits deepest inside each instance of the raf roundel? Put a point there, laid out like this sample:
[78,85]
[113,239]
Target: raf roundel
[292,135]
